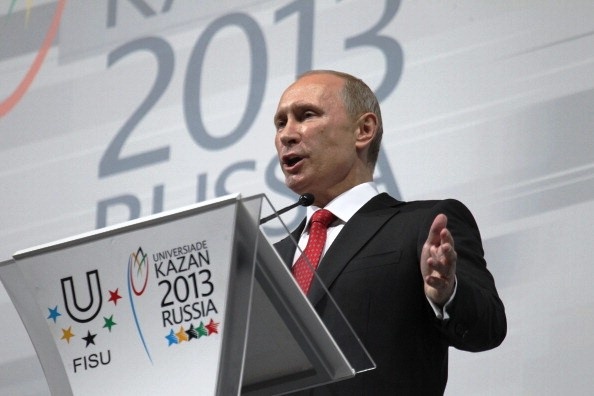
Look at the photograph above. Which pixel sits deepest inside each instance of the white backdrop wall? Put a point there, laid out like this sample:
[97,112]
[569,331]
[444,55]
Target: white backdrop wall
[116,109]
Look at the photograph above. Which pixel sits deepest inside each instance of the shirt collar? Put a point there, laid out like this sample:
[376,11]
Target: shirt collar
[349,202]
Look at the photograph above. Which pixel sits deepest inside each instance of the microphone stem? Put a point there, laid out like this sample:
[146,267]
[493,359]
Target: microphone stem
[280,212]
[304,200]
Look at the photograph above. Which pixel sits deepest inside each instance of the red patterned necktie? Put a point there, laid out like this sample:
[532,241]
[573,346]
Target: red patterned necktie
[303,269]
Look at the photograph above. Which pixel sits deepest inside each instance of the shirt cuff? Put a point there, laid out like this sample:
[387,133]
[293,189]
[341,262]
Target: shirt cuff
[442,313]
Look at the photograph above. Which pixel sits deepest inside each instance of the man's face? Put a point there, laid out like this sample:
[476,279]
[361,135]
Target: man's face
[315,138]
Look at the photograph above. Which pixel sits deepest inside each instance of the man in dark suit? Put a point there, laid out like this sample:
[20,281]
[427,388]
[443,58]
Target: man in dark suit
[410,277]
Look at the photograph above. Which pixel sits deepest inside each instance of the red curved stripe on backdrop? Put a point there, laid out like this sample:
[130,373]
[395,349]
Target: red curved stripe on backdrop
[7,104]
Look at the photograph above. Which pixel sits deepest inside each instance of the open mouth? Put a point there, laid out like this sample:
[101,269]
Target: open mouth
[292,161]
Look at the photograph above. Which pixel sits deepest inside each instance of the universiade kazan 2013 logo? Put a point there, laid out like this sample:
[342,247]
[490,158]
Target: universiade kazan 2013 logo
[7,103]
[89,313]
[183,287]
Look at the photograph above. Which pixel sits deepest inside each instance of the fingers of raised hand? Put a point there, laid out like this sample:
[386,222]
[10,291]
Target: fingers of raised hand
[439,284]
[442,259]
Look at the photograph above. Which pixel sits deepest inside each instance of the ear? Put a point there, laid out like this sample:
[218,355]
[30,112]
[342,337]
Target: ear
[366,129]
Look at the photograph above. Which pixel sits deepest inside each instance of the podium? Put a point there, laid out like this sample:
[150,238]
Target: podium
[191,300]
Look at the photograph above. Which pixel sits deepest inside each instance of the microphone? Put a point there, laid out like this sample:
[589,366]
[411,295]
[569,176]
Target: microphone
[304,200]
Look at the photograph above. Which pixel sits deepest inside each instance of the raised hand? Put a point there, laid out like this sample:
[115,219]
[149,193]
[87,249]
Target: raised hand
[438,262]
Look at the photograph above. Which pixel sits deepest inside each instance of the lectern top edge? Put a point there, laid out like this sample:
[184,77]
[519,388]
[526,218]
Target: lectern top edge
[142,222]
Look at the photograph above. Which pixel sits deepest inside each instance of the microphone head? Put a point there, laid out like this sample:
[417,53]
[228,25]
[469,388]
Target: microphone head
[306,199]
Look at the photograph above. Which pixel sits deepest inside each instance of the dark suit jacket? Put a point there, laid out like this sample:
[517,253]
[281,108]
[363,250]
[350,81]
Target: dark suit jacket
[372,271]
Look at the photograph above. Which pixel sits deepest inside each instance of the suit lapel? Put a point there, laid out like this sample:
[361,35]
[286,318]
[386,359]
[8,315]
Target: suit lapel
[355,234]
[286,247]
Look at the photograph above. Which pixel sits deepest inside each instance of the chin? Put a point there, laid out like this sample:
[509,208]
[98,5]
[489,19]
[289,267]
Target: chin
[296,186]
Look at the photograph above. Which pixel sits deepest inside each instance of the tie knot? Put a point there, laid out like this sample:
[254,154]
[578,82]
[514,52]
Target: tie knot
[323,216]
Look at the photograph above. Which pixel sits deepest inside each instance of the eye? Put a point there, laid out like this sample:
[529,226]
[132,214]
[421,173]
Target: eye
[279,124]
[308,114]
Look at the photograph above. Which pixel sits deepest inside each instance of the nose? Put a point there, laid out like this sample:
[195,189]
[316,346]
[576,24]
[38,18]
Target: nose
[289,135]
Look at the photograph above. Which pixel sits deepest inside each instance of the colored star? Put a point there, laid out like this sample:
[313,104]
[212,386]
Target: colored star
[53,313]
[90,338]
[192,333]
[171,338]
[114,296]
[181,334]
[212,327]
[67,334]
[109,323]
[201,330]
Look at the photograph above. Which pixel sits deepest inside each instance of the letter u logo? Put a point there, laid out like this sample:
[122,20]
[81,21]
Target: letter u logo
[71,302]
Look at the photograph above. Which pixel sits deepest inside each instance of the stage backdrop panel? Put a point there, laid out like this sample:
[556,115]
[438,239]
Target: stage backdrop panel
[113,110]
